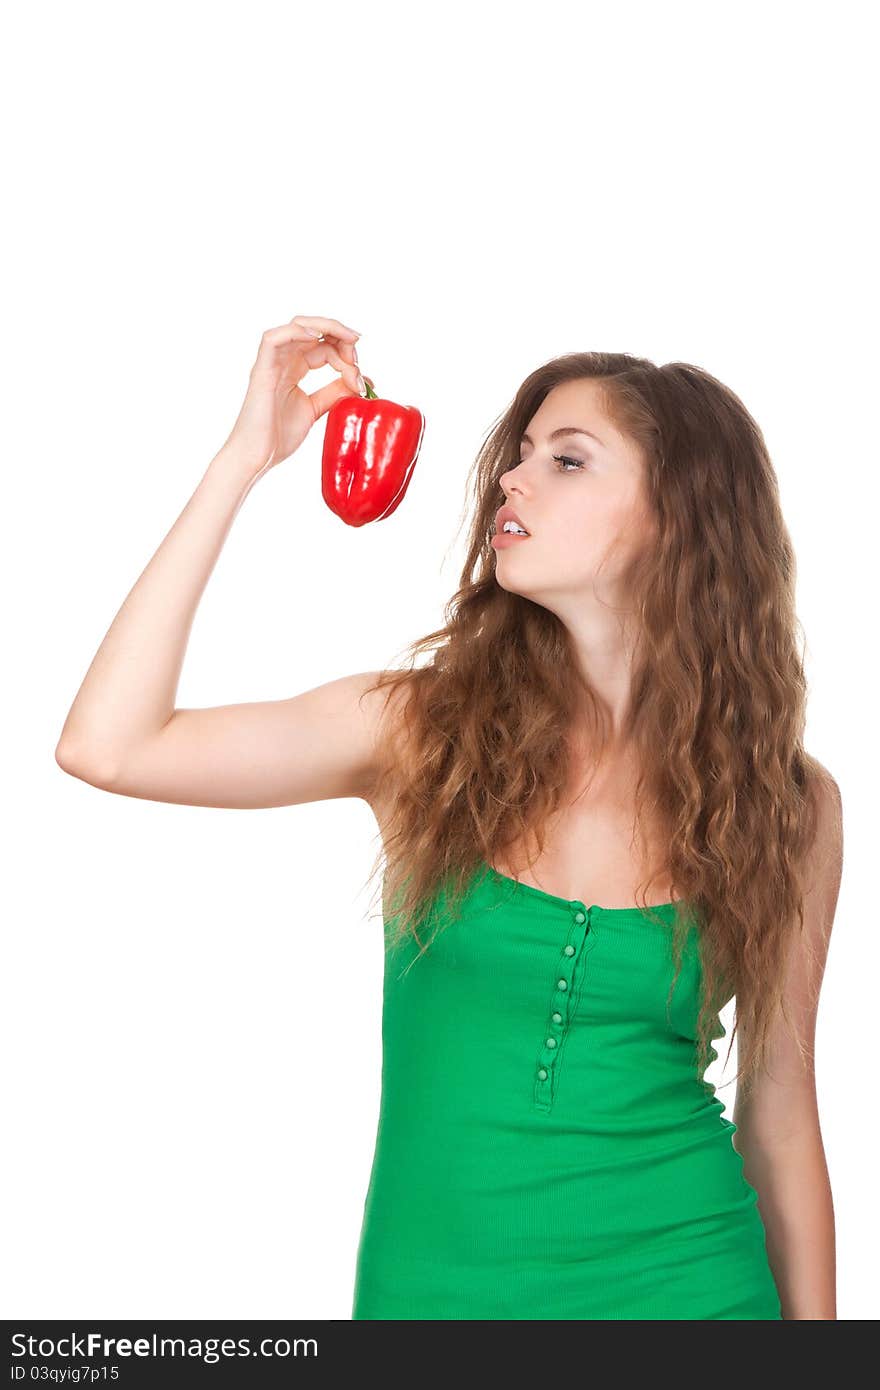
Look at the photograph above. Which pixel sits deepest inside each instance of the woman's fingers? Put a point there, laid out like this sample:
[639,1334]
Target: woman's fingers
[277,344]
[328,395]
[344,336]
[279,340]
[327,351]
[326,326]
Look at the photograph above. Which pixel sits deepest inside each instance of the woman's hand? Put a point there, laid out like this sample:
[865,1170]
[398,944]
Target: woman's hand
[277,414]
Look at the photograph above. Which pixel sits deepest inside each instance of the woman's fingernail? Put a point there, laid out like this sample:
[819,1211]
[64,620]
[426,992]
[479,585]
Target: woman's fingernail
[362,385]
[354,353]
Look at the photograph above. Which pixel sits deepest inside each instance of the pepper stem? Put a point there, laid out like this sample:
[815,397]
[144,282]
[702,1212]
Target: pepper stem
[371,394]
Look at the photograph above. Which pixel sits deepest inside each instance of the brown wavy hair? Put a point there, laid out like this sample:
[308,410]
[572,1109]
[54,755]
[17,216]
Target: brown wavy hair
[480,756]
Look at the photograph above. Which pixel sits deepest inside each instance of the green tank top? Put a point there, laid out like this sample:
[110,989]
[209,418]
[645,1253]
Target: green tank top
[545,1147]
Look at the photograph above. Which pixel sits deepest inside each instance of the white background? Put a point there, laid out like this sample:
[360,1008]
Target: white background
[191,997]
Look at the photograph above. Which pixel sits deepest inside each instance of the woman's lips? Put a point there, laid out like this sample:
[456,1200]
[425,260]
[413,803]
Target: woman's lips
[502,539]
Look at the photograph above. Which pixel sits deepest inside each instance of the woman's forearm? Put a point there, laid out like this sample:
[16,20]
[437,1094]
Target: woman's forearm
[795,1200]
[129,690]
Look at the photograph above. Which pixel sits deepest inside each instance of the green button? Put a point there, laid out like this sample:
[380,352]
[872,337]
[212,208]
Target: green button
[569,950]
[551,1042]
[562,984]
[543,1074]
[557,1018]
[580,917]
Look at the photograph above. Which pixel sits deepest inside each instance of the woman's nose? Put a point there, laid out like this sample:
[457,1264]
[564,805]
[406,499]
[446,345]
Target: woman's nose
[510,478]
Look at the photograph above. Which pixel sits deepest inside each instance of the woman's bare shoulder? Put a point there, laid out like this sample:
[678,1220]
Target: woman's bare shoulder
[385,708]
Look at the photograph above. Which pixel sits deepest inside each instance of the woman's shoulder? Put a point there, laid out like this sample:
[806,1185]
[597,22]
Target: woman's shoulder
[385,697]
[824,790]
[824,856]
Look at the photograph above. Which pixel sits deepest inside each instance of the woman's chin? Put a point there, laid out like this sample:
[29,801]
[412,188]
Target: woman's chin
[508,584]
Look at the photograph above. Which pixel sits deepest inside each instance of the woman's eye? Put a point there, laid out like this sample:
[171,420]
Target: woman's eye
[560,460]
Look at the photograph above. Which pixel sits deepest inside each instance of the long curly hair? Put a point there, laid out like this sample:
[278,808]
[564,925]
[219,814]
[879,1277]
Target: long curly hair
[478,754]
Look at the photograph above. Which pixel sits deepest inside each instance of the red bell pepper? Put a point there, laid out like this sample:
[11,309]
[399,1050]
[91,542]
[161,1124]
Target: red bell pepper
[370,450]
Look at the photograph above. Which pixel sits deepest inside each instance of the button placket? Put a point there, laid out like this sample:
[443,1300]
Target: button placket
[560,1006]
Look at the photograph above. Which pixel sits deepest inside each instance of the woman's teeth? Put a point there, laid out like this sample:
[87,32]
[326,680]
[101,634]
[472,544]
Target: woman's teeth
[517,530]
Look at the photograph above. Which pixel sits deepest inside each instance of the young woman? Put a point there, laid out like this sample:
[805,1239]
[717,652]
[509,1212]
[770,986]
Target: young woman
[599,826]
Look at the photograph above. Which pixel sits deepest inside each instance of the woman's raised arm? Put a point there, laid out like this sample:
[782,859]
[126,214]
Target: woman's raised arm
[123,731]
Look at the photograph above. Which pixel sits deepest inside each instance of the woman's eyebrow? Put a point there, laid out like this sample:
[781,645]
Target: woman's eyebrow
[566,429]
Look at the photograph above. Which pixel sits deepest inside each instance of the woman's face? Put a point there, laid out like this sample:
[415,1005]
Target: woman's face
[577,496]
